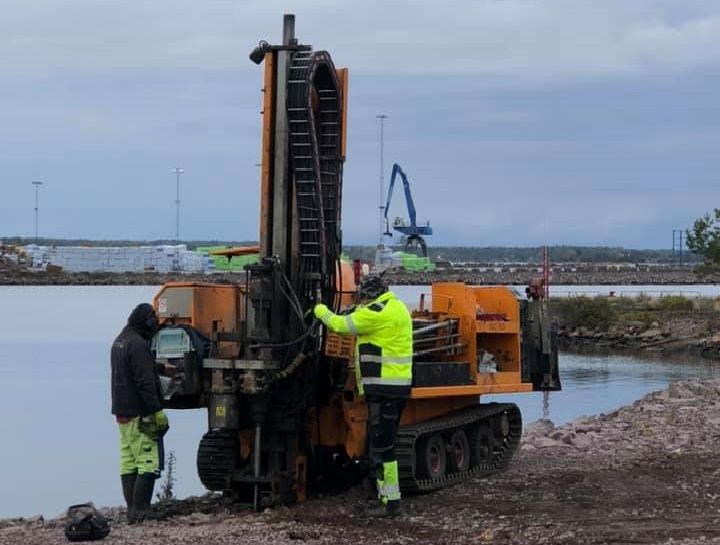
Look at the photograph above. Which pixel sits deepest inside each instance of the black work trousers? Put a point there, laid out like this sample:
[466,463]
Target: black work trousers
[383,421]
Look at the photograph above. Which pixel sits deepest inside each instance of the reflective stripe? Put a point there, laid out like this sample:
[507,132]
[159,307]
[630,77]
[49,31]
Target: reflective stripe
[325,318]
[387,381]
[351,325]
[391,491]
[389,485]
[370,359]
[385,359]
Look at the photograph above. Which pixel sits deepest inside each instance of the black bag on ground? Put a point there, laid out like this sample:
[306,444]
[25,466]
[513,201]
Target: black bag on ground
[84,523]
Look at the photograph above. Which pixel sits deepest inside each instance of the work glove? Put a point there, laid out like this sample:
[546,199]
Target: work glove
[154,425]
[320,310]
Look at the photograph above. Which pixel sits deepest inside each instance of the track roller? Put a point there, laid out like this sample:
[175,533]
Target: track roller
[432,457]
[482,444]
[459,452]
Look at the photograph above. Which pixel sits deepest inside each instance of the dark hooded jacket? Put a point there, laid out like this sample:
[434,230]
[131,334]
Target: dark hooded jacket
[135,383]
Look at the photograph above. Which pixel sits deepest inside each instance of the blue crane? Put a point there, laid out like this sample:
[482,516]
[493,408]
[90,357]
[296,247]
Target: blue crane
[413,234]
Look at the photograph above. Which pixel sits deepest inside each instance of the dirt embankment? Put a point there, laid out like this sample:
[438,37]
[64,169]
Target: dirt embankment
[647,473]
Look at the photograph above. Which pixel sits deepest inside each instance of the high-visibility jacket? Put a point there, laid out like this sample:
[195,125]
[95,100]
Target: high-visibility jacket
[384,347]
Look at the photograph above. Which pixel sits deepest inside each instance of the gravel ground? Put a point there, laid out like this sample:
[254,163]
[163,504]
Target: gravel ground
[647,473]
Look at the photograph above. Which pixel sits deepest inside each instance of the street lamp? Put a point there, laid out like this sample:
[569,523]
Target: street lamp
[678,243]
[37,185]
[176,262]
[382,118]
[178,171]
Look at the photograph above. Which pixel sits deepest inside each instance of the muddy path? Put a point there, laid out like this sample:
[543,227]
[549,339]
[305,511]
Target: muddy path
[647,473]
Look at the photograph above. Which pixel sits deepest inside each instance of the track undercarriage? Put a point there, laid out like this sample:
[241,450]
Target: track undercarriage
[474,442]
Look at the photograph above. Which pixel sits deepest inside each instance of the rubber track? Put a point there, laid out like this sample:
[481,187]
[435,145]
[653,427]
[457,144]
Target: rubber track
[408,436]
[314,108]
[216,459]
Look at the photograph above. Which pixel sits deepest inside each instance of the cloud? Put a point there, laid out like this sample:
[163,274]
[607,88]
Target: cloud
[517,121]
[546,40]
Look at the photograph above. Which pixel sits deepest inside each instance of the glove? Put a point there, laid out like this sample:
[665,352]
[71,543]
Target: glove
[163,425]
[154,425]
[320,310]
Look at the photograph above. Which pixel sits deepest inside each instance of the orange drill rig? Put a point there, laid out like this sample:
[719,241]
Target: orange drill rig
[284,414]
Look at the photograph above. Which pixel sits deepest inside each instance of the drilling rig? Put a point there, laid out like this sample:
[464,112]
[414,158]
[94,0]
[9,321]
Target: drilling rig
[284,414]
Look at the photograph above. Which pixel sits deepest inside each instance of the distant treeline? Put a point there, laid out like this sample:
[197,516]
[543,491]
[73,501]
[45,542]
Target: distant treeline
[504,254]
[501,254]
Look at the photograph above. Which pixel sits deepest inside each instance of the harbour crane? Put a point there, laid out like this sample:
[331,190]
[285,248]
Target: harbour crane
[413,234]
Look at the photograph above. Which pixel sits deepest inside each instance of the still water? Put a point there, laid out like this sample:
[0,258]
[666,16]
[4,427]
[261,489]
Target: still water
[59,441]
[412,293]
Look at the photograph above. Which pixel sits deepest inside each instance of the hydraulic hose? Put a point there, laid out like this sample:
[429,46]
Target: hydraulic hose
[300,339]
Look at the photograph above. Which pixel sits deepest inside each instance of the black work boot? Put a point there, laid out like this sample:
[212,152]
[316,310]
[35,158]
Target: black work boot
[142,496]
[128,488]
[392,508]
[389,509]
[369,489]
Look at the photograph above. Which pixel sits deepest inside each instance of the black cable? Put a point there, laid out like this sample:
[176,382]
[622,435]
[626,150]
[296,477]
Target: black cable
[301,338]
[298,306]
[298,312]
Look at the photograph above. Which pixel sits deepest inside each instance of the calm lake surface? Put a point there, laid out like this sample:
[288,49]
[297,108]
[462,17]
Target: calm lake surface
[60,440]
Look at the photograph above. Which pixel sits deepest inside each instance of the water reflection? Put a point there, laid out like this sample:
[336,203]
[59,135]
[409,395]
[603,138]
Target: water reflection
[600,384]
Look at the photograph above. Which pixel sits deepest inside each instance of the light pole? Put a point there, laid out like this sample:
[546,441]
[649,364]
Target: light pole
[178,171]
[176,262]
[678,242]
[382,118]
[37,185]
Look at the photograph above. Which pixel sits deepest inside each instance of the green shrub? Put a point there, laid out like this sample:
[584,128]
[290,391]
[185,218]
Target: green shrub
[645,317]
[586,312]
[675,303]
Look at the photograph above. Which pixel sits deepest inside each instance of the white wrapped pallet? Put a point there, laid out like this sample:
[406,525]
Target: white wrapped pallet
[163,258]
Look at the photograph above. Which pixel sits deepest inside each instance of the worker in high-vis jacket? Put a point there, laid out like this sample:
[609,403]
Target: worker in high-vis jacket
[383,369]
[136,405]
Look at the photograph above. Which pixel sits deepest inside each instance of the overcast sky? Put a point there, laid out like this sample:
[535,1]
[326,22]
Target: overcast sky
[517,122]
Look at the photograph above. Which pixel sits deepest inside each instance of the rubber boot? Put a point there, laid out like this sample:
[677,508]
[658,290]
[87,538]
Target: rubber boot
[128,488]
[392,508]
[142,496]
[389,509]
[369,489]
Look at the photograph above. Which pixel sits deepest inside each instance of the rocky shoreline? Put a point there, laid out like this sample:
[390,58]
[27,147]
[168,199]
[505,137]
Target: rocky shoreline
[44,278]
[568,278]
[21,277]
[635,341]
[669,325]
[646,473]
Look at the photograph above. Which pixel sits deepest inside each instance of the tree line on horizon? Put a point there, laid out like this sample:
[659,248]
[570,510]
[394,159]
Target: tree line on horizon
[534,254]
[476,254]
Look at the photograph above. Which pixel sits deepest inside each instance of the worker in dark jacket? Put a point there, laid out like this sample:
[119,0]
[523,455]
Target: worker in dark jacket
[383,370]
[136,405]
